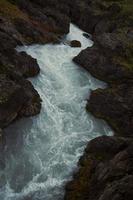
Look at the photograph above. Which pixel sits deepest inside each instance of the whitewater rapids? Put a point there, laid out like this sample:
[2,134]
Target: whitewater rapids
[42,152]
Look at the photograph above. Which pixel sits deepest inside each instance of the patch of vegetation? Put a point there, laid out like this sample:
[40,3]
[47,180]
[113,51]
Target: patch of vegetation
[14,1]
[10,11]
[3,98]
[4,69]
[125,62]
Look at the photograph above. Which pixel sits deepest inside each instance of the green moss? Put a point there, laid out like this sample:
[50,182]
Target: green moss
[3,98]
[126,62]
[127,7]
[4,69]
[99,157]
[14,1]
[126,12]
[10,10]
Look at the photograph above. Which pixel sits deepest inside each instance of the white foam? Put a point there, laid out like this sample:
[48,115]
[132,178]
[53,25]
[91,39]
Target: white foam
[46,148]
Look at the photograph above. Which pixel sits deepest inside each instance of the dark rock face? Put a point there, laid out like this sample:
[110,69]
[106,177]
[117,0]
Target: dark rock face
[20,63]
[24,22]
[18,98]
[101,65]
[114,104]
[105,171]
[33,104]
[25,64]
[49,14]
[11,100]
[75,43]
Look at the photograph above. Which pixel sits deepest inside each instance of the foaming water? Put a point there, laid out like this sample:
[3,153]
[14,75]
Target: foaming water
[43,151]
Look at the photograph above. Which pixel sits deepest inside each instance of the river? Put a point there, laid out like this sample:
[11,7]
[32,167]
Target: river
[42,152]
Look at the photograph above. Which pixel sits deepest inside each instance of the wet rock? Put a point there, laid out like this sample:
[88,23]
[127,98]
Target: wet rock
[18,99]
[25,64]
[11,100]
[33,104]
[8,28]
[18,62]
[75,43]
[104,26]
[27,30]
[109,41]
[52,18]
[107,161]
[100,65]
[130,34]
[106,146]
[87,35]
[115,106]
[6,41]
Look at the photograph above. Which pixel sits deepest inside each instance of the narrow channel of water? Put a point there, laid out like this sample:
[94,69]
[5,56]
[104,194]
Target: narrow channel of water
[43,151]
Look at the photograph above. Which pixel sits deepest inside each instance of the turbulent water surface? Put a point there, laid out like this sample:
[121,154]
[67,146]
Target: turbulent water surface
[42,152]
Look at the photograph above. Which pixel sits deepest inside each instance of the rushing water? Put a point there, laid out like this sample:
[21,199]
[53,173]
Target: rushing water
[42,151]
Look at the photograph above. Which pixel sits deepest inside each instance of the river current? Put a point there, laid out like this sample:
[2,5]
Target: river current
[42,152]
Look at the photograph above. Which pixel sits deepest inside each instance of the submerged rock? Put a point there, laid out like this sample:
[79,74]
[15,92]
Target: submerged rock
[87,35]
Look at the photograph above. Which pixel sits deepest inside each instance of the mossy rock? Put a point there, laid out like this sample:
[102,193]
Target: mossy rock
[4,69]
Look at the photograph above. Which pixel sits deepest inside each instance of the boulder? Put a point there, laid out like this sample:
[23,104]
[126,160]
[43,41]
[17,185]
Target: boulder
[18,98]
[33,104]
[24,64]
[12,99]
[114,105]
[75,43]
[105,171]
[100,65]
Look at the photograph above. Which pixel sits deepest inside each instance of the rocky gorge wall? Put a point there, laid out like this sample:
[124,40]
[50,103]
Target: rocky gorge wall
[22,23]
[105,170]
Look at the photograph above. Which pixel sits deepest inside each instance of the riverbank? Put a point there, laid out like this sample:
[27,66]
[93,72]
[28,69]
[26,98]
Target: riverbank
[23,23]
